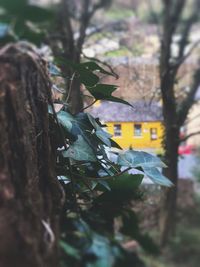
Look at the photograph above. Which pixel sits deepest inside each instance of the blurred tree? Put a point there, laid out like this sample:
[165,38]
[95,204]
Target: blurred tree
[72,22]
[175,110]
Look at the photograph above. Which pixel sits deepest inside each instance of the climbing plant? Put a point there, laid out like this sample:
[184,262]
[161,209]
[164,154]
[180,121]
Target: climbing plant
[97,190]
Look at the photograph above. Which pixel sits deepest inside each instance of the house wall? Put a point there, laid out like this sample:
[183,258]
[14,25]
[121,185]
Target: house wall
[127,139]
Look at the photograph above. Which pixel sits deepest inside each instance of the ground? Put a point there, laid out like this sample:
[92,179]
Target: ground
[184,248]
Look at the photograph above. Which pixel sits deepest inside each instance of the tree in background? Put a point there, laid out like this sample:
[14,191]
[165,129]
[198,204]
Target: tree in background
[175,109]
[72,21]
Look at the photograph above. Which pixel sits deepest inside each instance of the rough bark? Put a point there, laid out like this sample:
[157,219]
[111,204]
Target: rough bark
[29,193]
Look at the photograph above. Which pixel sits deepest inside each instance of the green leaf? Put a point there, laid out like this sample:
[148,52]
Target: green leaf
[103,251]
[157,177]
[65,119]
[80,150]
[125,182]
[133,158]
[13,6]
[104,92]
[100,91]
[36,14]
[92,66]
[87,77]
[115,144]
[130,225]
[69,250]
[93,122]
[104,137]
[104,184]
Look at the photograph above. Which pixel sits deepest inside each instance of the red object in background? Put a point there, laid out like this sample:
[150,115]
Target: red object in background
[186,150]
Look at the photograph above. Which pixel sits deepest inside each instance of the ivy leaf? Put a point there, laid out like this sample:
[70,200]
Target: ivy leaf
[123,188]
[65,119]
[104,92]
[125,182]
[36,14]
[80,150]
[115,144]
[100,133]
[102,250]
[92,66]
[104,184]
[69,250]
[104,137]
[13,6]
[93,121]
[87,77]
[133,158]
[157,177]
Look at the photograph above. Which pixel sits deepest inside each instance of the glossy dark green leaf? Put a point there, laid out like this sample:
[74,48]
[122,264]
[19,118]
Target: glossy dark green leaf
[157,177]
[125,182]
[104,92]
[13,6]
[133,158]
[92,66]
[69,250]
[102,250]
[104,184]
[65,119]
[115,144]
[88,78]
[80,150]
[104,137]
[36,14]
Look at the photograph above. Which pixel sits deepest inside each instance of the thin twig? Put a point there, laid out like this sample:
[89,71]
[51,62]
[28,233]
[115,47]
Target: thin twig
[188,136]
[70,87]
[88,105]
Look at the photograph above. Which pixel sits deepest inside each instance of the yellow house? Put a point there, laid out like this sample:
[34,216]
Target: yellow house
[139,127]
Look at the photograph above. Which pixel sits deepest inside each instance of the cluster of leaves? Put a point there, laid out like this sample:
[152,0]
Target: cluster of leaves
[98,190]
[21,20]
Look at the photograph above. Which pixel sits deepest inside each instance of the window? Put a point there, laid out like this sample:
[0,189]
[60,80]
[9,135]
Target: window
[137,130]
[117,130]
[154,133]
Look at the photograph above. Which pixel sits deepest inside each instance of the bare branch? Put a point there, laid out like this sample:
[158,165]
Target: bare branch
[189,99]
[70,87]
[89,105]
[188,136]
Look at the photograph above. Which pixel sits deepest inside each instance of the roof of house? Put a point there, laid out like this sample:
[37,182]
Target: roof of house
[140,112]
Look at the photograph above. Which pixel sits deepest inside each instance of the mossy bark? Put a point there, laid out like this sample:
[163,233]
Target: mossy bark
[29,193]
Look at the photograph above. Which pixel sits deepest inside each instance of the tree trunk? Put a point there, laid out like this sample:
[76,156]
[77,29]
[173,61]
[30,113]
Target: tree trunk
[29,193]
[168,210]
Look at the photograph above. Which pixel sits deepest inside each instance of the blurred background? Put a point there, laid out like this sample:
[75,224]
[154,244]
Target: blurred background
[152,48]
